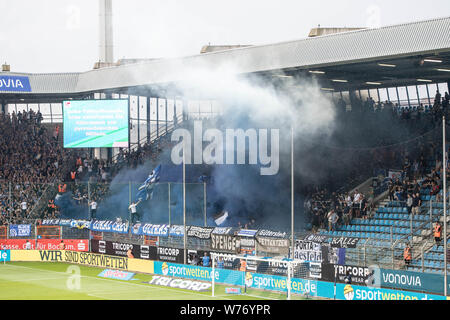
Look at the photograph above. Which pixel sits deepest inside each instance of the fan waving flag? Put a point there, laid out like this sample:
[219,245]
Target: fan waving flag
[221,217]
[145,191]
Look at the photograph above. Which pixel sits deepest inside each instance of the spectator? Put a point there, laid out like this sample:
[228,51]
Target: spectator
[206,260]
[135,216]
[409,203]
[93,207]
[416,203]
[220,263]
[332,220]
[407,256]
[437,232]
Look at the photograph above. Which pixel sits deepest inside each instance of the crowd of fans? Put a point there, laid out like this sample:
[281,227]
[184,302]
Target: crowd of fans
[328,207]
[439,107]
[100,174]
[30,158]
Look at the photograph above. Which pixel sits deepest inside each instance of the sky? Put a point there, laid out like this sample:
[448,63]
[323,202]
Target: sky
[45,36]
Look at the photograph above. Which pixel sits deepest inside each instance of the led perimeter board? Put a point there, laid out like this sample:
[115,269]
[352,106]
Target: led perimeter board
[95,123]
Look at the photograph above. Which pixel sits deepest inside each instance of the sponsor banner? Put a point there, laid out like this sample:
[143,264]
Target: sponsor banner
[200,232]
[280,268]
[229,262]
[359,275]
[223,242]
[140,265]
[92,259]
[180,283]
[45,244]
[408,280]
[190,271]
[138,251]
[25,255]
[5,255]
[247,233]
[149,229]
[354,292]
[222,230]
[233,290]
[147,252]
[315,270]
[271,234]
[16,244]
[19,230]
[109,226]
[279,283]
[177,231]
[116,274]
[54,244]
[344,242]
[170,254]
[115,248]
[15,84]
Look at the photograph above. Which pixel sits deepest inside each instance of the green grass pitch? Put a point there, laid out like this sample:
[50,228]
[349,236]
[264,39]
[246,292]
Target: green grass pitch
[54,281]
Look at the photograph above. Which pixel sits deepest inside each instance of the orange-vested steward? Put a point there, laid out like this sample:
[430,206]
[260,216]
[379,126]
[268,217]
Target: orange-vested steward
[407,254]
[437,231]
[62,188]
[243,265]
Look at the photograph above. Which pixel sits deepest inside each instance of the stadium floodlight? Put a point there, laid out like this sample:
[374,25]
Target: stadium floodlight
[432,60]
[443,70]
[282,76]
[387,65]
[374,83]
[327,89]
[316,72]
[339,80]
[424,80]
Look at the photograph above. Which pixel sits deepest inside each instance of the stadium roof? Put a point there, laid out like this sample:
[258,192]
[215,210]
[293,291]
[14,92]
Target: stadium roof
[384,57]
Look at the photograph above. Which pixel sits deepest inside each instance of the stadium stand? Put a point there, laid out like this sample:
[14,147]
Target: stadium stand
[30,159]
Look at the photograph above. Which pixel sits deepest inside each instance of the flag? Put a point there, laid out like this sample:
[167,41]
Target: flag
[220,218]
[145,191]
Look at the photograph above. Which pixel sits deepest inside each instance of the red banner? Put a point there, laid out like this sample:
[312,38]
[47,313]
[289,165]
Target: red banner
[45,244]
